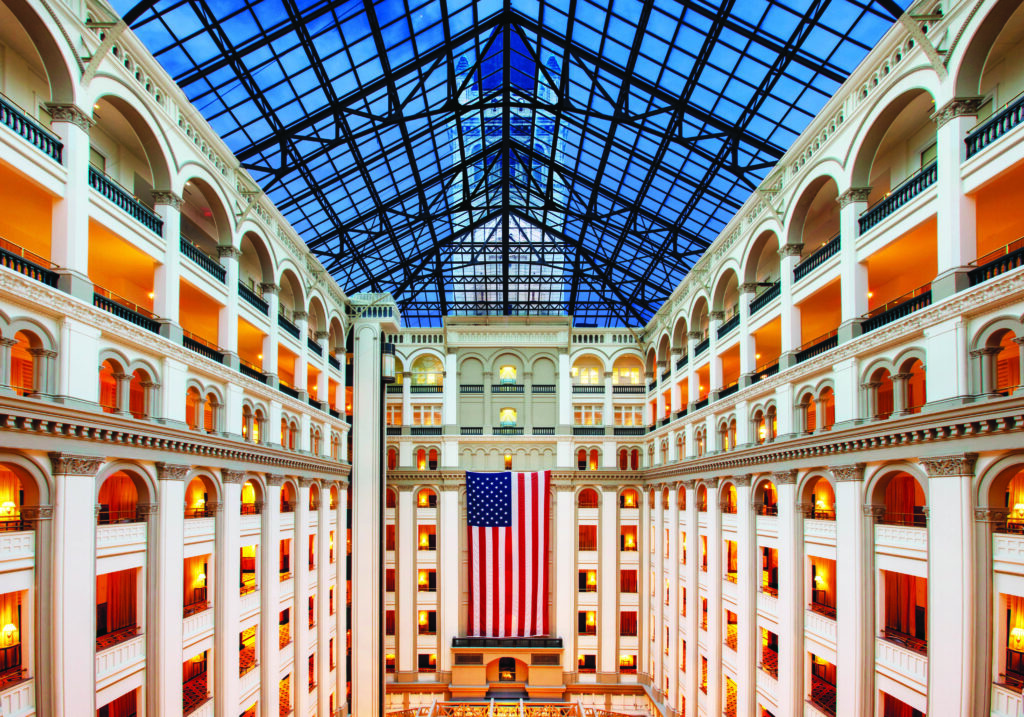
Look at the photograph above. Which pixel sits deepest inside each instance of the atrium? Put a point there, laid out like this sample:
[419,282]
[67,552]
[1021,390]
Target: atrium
[717,308]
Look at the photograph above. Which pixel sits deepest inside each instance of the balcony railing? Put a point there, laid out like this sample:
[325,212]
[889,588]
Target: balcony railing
[471,388]
[205,262]
[588,430]
[425,430]
[629,430]
[314,346]
[287,390]
[995,127]
[25,262]
[824,252]
[202,347]
[247,369]
[125,201]
[729,390]
[394,388]
[728,326]
[764,372]
[897,308]
[333,361]
[508,430]
[250,296]
[997,262]
[682,361]
[507,388]
[701,403]
[542,388]
[817,346]
[28,129]
[765,297]
[588,388]
[906,191]
[393,430]
[426,388]
[127,310]
[702,346]
[543,430]
[628,389]
[471,431]
[680,413]
[287,325]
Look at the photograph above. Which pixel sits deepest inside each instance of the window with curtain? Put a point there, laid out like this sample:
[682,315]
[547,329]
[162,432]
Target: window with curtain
[906,608]
[904,501]
[119,500]
[116,602]
[627,623]
[12,497]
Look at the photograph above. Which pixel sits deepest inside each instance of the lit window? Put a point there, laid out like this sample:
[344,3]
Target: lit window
[507,374]
[507,417]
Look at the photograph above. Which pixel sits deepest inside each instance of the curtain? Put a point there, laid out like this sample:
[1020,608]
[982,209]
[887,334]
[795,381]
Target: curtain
[194,568]
[10,614]
[137,396]
[1015,607]
[1007,363]
[108,388]
[120,598]
[627,623]
[892,707]
[1015,497]
[884,396]
[120,496]
[123,706]
[900,499]
[904,594]
[10,492]
[811,415]
[22,378]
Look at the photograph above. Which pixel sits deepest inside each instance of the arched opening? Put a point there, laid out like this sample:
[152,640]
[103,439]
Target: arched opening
[287,497]
[426,498]
[390,498]
[200,498]
[587,371]
[314,497]
[193,404]
[820,498]
[902,500]
[702,499]
[421,459]
[587,498]
[699,442]
[24,371]
[766,499]
[15,493]
[762,264]
[1003,376]
[426,374]
[595,457]
[119,500]
[914,395]
[765,425]
[815,220]
[629,498]
[432,457]
[211,413]
[628,371]
[111,374]
[729,499]
[880,395]
[581,459]
[252,499]
[392,458]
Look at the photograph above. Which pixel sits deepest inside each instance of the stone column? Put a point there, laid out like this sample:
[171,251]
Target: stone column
[323,387]
[747,654]
[792,337]
[165,591]
[609,400]
[608,581]
[672,609]
[323,607]
[564,392]
[123,391]
[405,587]
[716,681]
[952,622]
[300,603]
[869,394]
[955,213]
[69,243]
[228,604]
[692,383]
[270,596]
[855,594]
[900,397]
[656,553]
[791,594]
[271,340]
[70,678]
[302,358]
[488,404]
[692,569]
[167,280]
[227,318]
[38,630]
[449,559]
[716,319]
[853,275]
[527,421]
[450,389]
[5,365]
[43,361]
[748,346]
[340,599]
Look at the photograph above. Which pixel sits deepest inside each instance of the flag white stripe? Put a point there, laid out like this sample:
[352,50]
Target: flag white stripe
[489,579]
[528,552]
[500,579]
[474,550]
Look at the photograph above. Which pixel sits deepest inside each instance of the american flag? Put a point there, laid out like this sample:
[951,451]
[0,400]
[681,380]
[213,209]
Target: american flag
[508,553]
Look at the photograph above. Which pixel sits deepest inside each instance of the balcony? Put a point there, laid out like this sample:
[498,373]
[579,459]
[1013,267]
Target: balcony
[588,430]
[765,297]
[507,388]
[767,603]
[543,430]
[995,127]
[428,388]
[629,430]
[729,390]
[820,345]
[471,388]
[682,361]
[821,627]
[768,683]
[764,372]
[120,538]
[25,262]
[125,201]
[314,346]
[394,388]
[288,326]
[425,430]
[17,550]
[728,326]
[823,696]
[902,540]
[19,699]
[901,664]
[202,347]
[899,196]
[471,431]
[287,390]
[195,695]
[119,660]
[702,403]
[248,369]
[589,389]
[199,529]
[1006,702]
[998,262]
[897,308]
[253,299]
[205,262]
[543,388]
[825,252]
[628,390]
[702,346]
[31,131]
[197,626]
[124,309]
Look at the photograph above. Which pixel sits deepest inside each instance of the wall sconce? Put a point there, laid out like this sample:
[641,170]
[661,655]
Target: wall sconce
[820,581]
[423,577]
[1018,510]
[423,617]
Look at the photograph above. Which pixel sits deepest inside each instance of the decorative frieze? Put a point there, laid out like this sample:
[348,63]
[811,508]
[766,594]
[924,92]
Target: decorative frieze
[35,513]
[171,471]
[75,465]
[954,465]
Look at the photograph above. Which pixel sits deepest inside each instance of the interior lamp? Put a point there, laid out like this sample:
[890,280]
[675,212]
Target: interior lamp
[820,581]
[1018,509]
[7,507]
[388,367]
[10,635]
[1016,638]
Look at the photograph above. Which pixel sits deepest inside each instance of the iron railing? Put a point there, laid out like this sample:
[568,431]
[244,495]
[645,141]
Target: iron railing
[898,308]
[25,262]
[127,310]
[204,260]
[765,297]
[287,325]
[125,201]
[902,194]
[995,127]
[253,298]
[202,347]
[28,129]
[817,346]
[823,253]
[728,326]
[998,262]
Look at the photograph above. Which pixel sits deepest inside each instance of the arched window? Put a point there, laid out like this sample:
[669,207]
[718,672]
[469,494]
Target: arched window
[432,459]
[506,669]
[250,505]
[595,458]
[507,417]
[507,375]
[810,409]
[259,422]
[109,379]
[767,499]
[421,459]
[139,386]
[729,499]
[880,395]
[904,501]
[426,498]
[587,498]
[193,404]
[623,459]
[23,368]
[211,410]
[634,459]
[12,498]
[198,499]
[119,500]
[508,461]
[581,459]
[629,499]
[827,408]
[1006,360]
[914,395]
[702,499]
[823,500]
[392,458]
[391,498]
[287,498]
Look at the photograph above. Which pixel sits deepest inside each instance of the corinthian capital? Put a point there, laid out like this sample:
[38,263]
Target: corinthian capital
[75,465]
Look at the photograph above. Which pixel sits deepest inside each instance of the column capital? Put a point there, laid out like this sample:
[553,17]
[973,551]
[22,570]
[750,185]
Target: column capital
[957,107]
[743,481]
[229,252]
[74,464]
[275,481]
[748,287]
[689,483]
[902,376]
[988,350]
[8,343]
[807,509]
[300,315]
[791,250]
[268,287]
[784,477]
[854,472]
[167,198]
[171,471]
[695,335]
[121,376]
[717,316]
[321,335]
[35,513]
[873,511]
[60,112]
[981,515]
[852,195]
[43,353]
[954,465]
[147,509]
[307,482]
[228,475]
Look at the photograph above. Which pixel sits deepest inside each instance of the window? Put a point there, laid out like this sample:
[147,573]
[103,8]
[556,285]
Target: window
[425,415]
[588,537]
[427,621]
[586,663]
[508,461]
[426,581]
[588,416]
[507,374]
[427,537]
[389,622]
[587,581]
[929,154]
[586,622]
[393,414]
[389,580]
[627,664]
[627,581]
[426,498]
[426,662]
[507,417]
[627,538]
[626,376]
[507,669]
[629,416]
[627,623]
[584,375]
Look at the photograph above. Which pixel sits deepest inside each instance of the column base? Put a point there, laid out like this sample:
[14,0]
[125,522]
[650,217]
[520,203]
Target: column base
[304,395]
[849,330]
[171,330]
[231,360]
[944,404]
[72,402]
[787,360]
[271,379]
[950,282]
[746,380]
[76,284]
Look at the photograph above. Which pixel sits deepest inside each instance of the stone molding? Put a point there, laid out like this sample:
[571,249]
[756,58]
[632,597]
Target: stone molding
[229,252]
[275,481]
[306,482]
[791,250]
[75,465]
[35,513]
[853,194]
[953,465]
[300,315]
[854,472]
[957,107]
[60,112]
[716,316]
[171,471]
[873,511]
[269,287]
[228,475]
[748,287]
[694,335]
[743,480]
[991,515]
[167,199]
[787,477]
[147,509]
